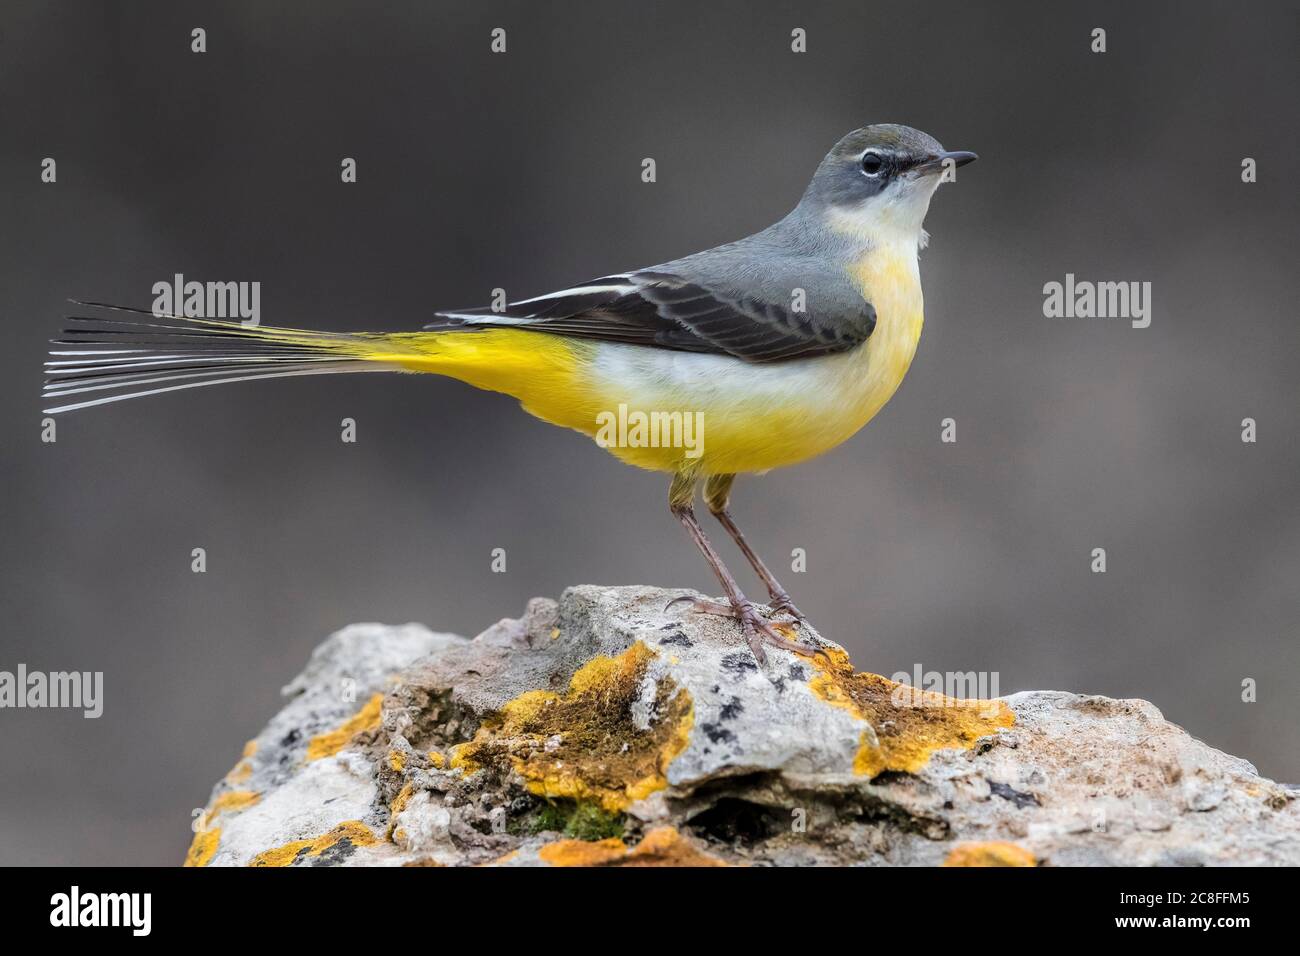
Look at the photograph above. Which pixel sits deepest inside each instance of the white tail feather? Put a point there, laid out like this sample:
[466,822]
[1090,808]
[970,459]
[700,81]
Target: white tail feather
[330,369]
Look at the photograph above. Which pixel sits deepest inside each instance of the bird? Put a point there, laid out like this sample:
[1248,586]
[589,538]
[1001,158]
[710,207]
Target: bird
[754,355]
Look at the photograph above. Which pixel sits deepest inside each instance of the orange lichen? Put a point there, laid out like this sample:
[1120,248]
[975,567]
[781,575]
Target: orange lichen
[354,831]
[585,745]
[993,853]
[908,724]
[203,847]
[331,742]
[582,852]
[663,846]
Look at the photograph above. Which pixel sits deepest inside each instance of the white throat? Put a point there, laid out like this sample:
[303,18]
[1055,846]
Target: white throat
[892,218]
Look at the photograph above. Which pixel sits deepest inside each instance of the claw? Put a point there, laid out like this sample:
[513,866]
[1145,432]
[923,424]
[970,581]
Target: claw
[781,604]
[712,607]
[803,645]
[754,642]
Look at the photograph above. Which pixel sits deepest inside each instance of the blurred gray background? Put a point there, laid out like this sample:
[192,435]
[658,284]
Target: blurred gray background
[522,171]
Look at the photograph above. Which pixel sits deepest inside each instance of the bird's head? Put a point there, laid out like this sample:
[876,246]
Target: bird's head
[876,182]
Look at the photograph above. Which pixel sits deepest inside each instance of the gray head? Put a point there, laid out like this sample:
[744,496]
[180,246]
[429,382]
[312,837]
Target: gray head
[879,179]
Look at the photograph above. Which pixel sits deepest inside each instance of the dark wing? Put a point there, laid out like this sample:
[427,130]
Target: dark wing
[667,311]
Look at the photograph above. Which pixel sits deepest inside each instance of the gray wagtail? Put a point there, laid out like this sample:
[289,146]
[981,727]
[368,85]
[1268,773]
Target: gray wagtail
[757,354]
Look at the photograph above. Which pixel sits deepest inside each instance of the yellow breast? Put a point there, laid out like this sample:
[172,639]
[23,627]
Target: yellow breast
[833,397]
[890,280]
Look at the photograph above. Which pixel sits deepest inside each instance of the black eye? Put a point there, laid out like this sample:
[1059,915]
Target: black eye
[872,164]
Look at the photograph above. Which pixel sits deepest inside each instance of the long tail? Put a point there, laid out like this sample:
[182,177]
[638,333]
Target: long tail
[112,360]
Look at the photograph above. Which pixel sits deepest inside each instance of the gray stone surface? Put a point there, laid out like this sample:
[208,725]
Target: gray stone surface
[607,729]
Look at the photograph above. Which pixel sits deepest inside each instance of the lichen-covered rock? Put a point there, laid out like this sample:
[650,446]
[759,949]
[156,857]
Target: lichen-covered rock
[609,729]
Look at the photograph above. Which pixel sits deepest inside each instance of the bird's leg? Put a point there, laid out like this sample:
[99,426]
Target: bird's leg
[717,495]
[681,499]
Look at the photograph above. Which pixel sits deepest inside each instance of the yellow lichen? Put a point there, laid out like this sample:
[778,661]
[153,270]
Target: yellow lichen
[205,841]
[395,833]
[663,846]
[233,801]
[585,745]
[352,830]
[242,770]
[202,847]
[396,760]
[993,853]
[331,742]
[437,760]
[401,800]
[786,629]
[909,724]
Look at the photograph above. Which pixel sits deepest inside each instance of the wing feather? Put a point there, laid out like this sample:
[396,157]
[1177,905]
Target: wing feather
[666,310]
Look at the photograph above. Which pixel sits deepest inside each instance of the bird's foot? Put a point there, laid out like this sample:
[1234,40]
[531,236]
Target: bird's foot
[781,604]
[756,628]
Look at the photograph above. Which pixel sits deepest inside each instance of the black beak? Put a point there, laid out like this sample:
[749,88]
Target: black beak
[937,164]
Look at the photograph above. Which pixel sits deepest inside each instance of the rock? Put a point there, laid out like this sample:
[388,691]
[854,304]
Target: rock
[607,729]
